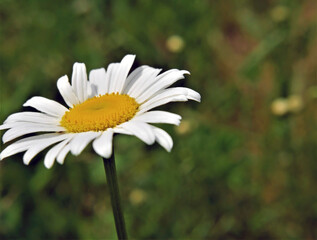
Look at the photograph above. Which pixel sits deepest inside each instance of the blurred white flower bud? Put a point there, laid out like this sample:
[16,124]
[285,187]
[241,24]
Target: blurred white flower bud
[137,196]
[279,106]
[184,127]
[175,43]
[295,103]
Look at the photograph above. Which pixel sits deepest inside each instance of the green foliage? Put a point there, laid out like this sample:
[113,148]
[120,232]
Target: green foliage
[240,167]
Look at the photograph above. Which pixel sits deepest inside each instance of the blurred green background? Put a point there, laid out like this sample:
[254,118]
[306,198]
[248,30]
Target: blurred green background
[243,164]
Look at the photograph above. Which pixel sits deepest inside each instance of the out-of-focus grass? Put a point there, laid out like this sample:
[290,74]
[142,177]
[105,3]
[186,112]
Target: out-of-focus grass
[241,168]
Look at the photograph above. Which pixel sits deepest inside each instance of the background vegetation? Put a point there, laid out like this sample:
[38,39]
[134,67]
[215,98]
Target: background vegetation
[243,164]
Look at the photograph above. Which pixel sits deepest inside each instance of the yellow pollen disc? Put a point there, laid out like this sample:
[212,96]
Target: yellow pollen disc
[99,113]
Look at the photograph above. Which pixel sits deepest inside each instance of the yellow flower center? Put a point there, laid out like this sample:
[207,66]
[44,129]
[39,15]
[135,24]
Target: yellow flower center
[99,113]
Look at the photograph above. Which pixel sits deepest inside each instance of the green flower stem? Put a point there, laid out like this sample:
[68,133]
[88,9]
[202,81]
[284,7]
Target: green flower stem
[111,174]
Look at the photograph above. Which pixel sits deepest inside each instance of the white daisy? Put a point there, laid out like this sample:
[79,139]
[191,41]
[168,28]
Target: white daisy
[110,102]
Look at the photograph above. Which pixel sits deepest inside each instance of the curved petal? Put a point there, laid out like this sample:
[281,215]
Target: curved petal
[35,117]
[79,81]
[46,105]
[110,78]
[122,72]
[24,144]
[135,75]
[6,126]
[172,92]
[26,128]
[121,131]
[53,152]
[81,140]
[103,144]
[159,102]
[141,130]
[162,81]
[40,146]
[97,78]
[67,91]
[26,124]
[192,95]
[163,138]
[159,117]
[63,153]
[146,79]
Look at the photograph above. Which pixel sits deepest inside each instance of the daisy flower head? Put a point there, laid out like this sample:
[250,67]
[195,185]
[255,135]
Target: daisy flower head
[111,101]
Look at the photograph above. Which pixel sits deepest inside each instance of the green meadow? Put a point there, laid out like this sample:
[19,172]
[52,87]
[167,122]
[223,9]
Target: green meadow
[244,160]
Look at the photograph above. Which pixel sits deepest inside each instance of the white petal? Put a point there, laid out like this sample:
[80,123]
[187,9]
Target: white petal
[120,130]
[193,95]
[148,106]
[81,140]
[162,81]
[35,117]
[103,144]
[40,146]
[141,130]
[53,152]
[91,90]
[97,77]
[62,154]
[122,72]
[110,78]
[159,117]
[24,144]
[27,124]
[6,126]
[135,75]
[26,128]
[171,92]
[67,91]
[163,138]
[79,81]
[46,105]
[146,79]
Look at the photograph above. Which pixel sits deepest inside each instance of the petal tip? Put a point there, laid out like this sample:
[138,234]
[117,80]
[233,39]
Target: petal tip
[48,165]
[27,103]
[26,162]
[107,155]
[62,78]
[78,65]
[74,152]
[198,99]
[130,55]
[5,139]
[128,59]
[168,148]
[60,160]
